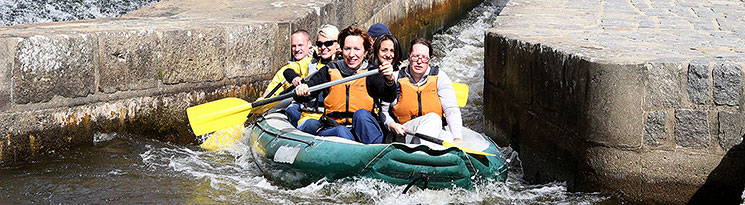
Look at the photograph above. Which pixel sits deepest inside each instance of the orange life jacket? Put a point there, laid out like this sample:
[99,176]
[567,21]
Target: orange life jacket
[346,98]
[415,101]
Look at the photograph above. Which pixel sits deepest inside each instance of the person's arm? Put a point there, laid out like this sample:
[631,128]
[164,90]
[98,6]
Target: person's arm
[291,74]
[385,107]
[297,71]
[320,77]
[278,78]
[379,87]
[450,108]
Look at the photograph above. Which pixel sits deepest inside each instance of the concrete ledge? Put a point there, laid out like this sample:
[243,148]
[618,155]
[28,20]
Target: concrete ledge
[638,99]
[60,83]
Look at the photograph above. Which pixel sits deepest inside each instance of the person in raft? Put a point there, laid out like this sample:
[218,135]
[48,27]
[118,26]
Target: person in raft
[386,50]
[305,115]
[300,47]
[351,103]
[424,94]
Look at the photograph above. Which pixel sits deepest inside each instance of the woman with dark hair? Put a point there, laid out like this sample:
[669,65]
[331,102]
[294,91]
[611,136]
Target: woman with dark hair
[386,50]
[348,106]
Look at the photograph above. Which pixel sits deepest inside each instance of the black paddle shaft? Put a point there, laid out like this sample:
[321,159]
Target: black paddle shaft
[316,88]
[425,137]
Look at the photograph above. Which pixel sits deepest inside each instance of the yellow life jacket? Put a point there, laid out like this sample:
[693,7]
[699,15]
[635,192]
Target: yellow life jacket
[415,101]
[302,67]
[346,98]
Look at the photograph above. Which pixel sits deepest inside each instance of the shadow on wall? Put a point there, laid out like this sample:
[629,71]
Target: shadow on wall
[726,182]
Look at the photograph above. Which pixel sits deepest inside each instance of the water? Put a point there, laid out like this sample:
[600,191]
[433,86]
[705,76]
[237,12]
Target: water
[120,168]
[14,12]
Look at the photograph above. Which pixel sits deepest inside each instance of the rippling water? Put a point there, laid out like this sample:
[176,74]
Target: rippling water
[120,168]
[13,12]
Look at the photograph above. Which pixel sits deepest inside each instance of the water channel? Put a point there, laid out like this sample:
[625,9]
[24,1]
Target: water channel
[121,168]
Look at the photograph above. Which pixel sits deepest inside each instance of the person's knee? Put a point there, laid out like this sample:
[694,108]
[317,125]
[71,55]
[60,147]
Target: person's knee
[432,118]
[432,115]
[361,113]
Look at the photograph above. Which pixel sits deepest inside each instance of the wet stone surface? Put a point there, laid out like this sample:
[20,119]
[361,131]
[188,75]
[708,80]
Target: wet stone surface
[691,128]
[664,84]
[57,65]
[698,82]
[727,83]
[731,129]
[654,130]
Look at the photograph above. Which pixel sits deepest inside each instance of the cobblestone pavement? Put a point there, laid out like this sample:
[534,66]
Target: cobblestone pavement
[630,31]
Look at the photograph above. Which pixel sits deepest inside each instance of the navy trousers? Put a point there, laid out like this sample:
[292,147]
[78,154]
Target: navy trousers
[364,126]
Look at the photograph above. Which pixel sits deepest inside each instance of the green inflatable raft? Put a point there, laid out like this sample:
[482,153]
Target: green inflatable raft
[293,158]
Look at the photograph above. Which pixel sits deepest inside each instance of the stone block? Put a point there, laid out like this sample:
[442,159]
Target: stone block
[679,173]
[61,64]
[192,55]
[247,46]
[7,54]
[654,129]
[128,60]
[614,104]
[691,128]
[731,129]
[698,82]
[664,84]
[727,83]
[280,47]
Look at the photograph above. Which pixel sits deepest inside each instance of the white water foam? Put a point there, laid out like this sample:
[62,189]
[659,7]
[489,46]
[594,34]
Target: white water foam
[103,137]
[16,12]
[459,52]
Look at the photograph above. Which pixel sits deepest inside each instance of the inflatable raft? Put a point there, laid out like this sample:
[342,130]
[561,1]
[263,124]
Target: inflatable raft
[293,158]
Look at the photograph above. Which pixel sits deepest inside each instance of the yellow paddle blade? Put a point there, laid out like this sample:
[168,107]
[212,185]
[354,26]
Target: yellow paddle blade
[216,115]
[223,138]
[461,93]
[466,150]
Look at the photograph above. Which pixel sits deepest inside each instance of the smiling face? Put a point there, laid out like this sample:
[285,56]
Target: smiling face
[419,60]
[300,46]
[327,52]
[354,51]
[386,52]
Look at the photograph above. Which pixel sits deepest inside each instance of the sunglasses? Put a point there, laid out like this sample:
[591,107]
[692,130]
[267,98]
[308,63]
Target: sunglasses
[328,43]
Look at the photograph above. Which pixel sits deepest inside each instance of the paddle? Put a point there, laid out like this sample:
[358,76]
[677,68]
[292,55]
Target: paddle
[276,88]
[446,143]
[219,114]
[259,111]
[461,93]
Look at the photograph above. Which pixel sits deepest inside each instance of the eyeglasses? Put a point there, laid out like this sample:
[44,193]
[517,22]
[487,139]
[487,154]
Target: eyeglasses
[328,43]
[423,59]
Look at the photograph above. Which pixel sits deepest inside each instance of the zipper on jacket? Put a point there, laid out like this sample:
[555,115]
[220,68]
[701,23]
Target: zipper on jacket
[419,99]
[347,104]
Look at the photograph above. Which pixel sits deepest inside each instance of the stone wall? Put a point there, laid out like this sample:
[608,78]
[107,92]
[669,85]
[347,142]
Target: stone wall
[60,83]
[641,99]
